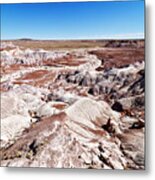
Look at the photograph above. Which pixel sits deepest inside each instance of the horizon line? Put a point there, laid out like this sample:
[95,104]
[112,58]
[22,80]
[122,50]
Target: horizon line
[72,39]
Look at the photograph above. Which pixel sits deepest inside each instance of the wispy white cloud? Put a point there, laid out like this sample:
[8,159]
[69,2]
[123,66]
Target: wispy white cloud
[126,36]
[113,36]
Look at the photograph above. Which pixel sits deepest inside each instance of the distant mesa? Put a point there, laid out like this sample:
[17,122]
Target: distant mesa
[25,39]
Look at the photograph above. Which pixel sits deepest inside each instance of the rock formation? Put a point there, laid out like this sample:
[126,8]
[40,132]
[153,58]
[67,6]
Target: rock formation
[75,108]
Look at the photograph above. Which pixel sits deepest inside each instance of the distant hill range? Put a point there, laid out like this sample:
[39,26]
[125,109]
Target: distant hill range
[26,39]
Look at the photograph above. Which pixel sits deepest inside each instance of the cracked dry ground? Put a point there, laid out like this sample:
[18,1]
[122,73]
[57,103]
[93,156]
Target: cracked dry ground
[80,108]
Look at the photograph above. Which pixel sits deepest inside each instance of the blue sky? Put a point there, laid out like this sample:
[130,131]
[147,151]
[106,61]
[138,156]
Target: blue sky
[80,20]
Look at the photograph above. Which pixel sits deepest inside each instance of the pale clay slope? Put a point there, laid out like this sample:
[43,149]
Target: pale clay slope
[15,116]
[91,114]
